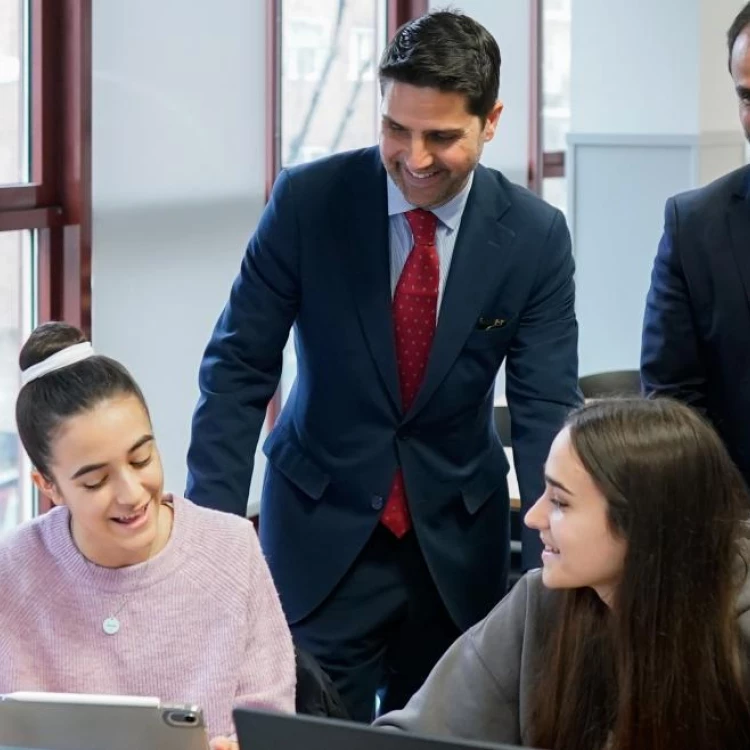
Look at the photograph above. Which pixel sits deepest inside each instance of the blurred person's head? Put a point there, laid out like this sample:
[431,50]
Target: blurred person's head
[85,426]
[439,79]
[738,41]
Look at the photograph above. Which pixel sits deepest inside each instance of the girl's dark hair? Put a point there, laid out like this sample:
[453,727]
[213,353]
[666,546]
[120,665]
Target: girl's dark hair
[664,668]
[45,403]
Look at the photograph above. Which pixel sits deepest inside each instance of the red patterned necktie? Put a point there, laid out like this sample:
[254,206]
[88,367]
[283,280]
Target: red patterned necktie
[414,320]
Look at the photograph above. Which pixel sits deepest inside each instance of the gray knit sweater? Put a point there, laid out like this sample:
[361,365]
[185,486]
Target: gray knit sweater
[482,687]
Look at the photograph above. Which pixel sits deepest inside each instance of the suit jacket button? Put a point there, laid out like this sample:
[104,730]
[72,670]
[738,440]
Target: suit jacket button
[377,502]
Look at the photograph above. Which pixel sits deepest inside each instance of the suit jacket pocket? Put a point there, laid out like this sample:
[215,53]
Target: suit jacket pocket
[485,338]
[490,476]
[287,456]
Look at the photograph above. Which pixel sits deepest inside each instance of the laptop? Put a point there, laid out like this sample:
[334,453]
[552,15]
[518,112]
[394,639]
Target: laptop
[73,721]
[263,730]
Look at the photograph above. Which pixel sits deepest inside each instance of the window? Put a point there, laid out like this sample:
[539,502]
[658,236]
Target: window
[305,44]
[361,55]
[551,39]
[15,256]
[16,318]
[556,76]
[310,153]
[12,93]
[44,199]
[324,109]
[555,98]
[323,95]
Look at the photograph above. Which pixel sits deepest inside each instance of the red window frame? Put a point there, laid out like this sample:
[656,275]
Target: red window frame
[541,163]
[57,200]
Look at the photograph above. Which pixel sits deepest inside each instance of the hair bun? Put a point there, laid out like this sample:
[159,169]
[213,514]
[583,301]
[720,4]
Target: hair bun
[46,340]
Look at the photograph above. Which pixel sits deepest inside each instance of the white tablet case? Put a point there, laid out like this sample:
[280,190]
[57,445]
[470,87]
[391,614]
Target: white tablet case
[73,721]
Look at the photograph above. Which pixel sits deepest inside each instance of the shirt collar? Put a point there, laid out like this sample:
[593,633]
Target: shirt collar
[449,213]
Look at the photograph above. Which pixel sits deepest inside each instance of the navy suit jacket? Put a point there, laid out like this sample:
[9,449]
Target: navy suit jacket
[696,333]
[319,260]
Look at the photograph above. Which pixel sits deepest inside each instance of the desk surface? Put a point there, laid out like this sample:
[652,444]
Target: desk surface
[513,489]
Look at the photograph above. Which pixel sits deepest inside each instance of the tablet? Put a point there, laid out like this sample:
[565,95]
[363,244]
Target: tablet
[73,721]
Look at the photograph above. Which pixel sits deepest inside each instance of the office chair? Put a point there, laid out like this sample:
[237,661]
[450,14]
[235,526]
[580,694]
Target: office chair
[615,383]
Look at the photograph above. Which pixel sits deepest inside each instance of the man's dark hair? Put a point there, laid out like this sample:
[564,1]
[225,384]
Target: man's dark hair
[740,23]
[448,51]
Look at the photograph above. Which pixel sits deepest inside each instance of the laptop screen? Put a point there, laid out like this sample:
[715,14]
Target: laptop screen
[263,730]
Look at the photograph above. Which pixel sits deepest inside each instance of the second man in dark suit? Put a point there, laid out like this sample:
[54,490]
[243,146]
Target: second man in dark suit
[696,334]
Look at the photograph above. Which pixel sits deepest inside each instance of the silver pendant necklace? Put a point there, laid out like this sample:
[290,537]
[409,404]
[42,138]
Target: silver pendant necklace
[111,623]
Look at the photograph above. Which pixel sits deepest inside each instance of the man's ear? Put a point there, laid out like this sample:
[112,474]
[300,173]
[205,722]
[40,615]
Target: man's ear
[47,487]
[492,119]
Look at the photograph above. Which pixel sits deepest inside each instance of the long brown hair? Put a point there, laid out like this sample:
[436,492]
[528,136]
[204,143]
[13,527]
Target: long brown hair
[663,668]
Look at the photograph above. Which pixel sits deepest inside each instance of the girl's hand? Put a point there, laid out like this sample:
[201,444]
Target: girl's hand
[223,743]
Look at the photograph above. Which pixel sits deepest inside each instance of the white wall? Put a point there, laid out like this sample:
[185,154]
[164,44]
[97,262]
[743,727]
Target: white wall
[178,185]
[641,81]
[660,67]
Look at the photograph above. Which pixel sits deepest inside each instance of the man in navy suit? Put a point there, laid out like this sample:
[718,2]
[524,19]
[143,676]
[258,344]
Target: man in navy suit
[696,333]
[409,273]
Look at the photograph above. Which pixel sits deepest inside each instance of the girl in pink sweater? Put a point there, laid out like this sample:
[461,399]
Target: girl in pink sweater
[121,588]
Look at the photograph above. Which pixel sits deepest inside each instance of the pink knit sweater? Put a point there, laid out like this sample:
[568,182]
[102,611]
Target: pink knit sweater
[200,622]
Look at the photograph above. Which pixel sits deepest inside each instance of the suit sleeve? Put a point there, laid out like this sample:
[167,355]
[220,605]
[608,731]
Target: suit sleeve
[241,365]
[542,371]
[671,363]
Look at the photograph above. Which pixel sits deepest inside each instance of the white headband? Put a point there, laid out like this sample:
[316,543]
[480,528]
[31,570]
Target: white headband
[65,357]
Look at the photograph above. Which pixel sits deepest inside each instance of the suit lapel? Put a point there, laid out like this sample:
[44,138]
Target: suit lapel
[482,254]
[365,243]
[738,218]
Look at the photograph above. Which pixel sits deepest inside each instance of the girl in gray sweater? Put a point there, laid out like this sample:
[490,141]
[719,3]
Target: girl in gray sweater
[634,633]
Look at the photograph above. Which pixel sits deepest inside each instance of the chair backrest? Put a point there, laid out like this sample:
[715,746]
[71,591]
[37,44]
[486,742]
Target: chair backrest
[502,424]
[615,383]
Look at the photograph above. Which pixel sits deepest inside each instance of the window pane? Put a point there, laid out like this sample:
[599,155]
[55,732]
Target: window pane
[329,91]
[16,304]
[555,74]
[13,125]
